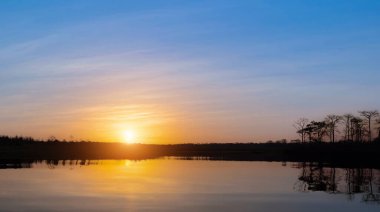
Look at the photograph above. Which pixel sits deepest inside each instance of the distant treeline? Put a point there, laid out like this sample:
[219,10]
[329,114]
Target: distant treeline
[339,153]
[346,128]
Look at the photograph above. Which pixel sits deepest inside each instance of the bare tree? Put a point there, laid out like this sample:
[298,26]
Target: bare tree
[300,125]
[369,115]
[348,125]
[332,121]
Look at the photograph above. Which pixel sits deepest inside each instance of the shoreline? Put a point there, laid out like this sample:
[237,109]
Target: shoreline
[342,154]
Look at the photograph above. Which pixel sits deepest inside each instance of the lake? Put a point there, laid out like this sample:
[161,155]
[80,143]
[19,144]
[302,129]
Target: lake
[171,184]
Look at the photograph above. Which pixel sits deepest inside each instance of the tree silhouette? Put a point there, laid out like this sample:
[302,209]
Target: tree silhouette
[347,125]
[332,121]
[369,115]
[320,130]
[378,129]
[300,125]
[315,130]
[357,129]
[308,130]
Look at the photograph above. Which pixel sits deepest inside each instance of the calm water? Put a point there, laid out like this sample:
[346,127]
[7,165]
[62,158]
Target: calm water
[186,185]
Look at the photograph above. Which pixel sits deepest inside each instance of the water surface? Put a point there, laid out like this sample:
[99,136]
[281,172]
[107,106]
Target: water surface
[186,185]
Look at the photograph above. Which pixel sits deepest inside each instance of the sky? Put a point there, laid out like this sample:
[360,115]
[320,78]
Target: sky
[184,71]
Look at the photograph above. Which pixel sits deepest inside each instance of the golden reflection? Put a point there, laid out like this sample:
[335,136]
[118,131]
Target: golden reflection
[173,176]
[128,163]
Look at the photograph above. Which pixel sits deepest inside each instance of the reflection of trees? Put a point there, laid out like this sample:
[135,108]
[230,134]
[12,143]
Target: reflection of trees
[15,164]
[54,163]
[371,196]
[350,181]
[315,177]
[51,164]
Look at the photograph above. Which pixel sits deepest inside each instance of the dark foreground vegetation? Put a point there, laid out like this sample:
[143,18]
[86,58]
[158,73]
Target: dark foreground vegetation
[343,154]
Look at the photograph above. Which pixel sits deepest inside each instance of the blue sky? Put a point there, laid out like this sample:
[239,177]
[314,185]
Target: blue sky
[180,71]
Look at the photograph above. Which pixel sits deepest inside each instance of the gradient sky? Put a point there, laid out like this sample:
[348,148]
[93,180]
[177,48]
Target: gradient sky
[184,71]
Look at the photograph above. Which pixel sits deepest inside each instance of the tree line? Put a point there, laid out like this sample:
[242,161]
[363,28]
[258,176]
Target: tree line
[347,127]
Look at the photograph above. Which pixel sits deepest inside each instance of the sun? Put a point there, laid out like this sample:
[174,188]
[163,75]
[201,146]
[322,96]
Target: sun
[129,137]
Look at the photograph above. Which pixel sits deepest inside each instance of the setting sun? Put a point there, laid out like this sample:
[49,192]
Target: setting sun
[129,137]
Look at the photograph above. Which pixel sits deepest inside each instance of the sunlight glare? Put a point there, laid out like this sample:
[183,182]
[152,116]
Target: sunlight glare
[129,137]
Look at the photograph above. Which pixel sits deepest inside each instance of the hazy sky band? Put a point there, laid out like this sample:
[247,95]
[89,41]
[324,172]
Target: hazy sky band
[181,71]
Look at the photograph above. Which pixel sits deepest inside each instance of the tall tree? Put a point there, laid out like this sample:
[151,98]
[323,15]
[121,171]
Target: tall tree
[309,129]
[347,125]
[357,129]
[332,121]
[369,115]
[300,125]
